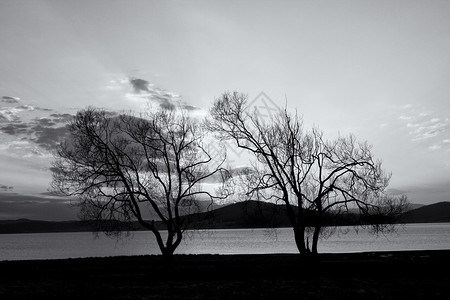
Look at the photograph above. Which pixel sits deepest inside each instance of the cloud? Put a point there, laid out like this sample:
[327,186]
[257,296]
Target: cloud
[14,146]
[167,105]
[8,115]
[144,90]
[407,106]
[141,93]
[61,118]
[12,100]
[435,147]
[26,130]
[424,124]
[11,110]
[428,130]
[114,85]
[45,122]
[140,85]
[5,188]
[15,129]
[49,137]
[425,113]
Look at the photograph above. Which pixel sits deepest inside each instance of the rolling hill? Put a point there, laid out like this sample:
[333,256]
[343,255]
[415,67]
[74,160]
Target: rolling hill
[433,213]
[250,214]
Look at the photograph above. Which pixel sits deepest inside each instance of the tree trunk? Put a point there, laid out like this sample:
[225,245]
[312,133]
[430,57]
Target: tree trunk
[168,249]
[167,254]
[299,235]
[315,240]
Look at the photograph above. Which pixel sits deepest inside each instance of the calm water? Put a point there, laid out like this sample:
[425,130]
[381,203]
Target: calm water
[227,241]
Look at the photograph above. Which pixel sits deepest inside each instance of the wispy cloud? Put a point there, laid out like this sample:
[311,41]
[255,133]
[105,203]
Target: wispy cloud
[424,125]
[142,89]
[404,118]
[428,129]
[435,147]
[141,93]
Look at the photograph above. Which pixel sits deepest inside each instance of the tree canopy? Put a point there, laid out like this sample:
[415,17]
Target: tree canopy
[312,176]
[123,167]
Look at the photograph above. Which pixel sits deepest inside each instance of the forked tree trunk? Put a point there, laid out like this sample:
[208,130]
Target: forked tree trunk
[174,239]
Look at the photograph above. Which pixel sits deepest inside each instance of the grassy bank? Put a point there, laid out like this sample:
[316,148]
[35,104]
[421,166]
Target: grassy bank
[377,275]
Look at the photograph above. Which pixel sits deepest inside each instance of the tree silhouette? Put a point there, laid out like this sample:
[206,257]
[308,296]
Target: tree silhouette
[314,178]
[124,168]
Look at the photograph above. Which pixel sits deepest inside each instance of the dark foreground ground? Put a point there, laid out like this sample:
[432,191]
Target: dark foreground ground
[378,275]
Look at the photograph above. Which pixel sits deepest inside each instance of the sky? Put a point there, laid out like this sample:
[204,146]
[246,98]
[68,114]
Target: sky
[377,69]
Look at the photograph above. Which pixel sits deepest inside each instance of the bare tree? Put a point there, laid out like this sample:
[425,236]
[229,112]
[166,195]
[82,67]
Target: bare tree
[312,177]
[125,168]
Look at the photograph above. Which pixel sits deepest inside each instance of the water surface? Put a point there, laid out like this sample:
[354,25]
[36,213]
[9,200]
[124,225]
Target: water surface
[430,236]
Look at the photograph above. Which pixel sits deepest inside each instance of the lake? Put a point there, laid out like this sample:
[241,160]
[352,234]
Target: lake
[429,236]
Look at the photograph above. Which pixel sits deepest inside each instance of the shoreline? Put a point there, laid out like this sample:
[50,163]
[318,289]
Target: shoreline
[411,274]
[374,253]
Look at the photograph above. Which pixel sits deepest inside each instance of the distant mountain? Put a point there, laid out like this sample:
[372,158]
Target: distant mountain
[32,226]
[250,214]
[433,213]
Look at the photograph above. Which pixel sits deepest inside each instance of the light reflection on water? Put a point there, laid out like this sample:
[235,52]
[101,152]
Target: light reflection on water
[429,236]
